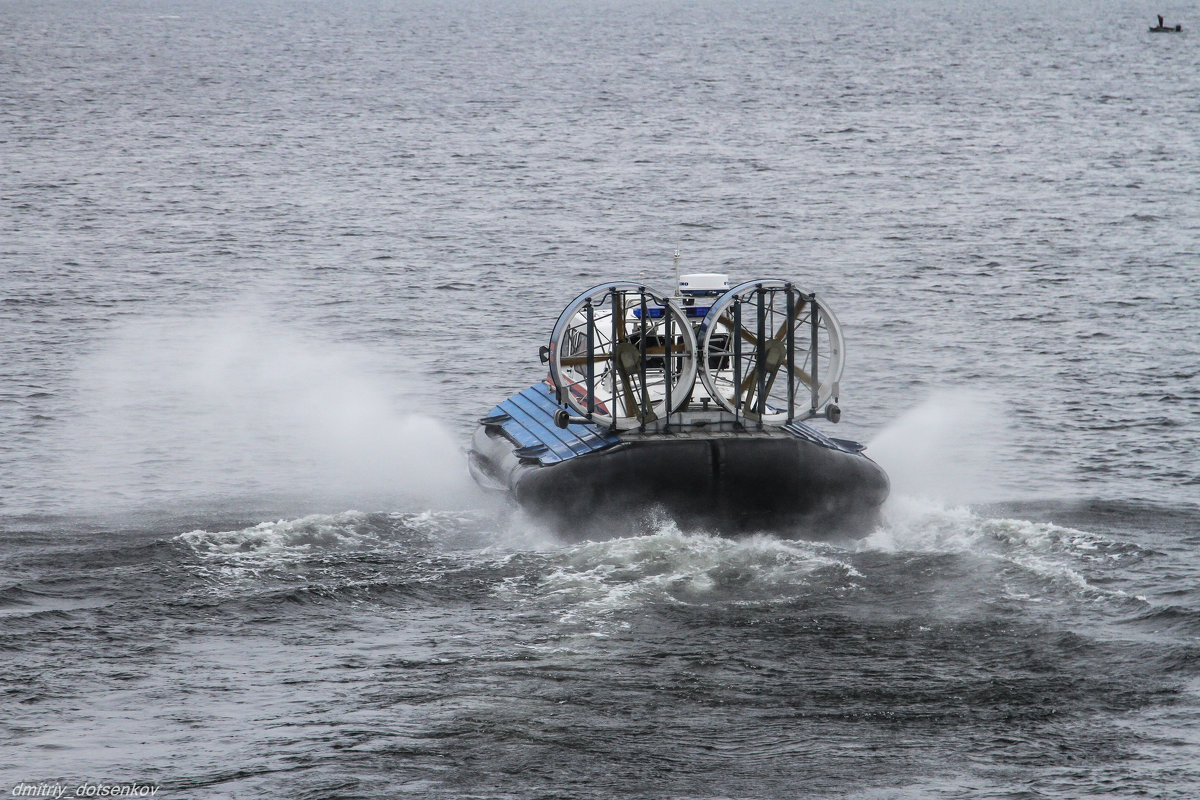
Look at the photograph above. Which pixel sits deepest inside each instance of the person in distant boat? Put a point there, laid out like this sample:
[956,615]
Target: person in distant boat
[1160,21]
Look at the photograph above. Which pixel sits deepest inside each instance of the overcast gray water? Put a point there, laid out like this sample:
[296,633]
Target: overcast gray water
[263,265]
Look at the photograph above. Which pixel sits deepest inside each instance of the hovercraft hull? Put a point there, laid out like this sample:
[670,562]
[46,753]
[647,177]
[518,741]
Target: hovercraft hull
[790,480]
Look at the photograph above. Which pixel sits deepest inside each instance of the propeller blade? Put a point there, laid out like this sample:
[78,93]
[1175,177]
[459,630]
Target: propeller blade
[803,376]
[749,384]
[782,332]
[581,361]
[747,335]
[629,399]
[619,311]
[770,381]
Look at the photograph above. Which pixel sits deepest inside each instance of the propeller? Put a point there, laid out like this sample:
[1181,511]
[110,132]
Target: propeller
[619,352]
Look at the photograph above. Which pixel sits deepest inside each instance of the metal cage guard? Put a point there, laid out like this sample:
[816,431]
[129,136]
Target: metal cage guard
[608,378]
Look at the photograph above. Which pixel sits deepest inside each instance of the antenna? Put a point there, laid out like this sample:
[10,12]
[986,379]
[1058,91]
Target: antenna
[677,272]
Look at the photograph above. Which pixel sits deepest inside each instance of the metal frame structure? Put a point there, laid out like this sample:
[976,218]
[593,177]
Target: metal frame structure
[626,357]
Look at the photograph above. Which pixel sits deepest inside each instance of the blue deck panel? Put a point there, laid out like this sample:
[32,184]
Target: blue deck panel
[540,409]
[537,423]
[527,418]
[803,431]
[582,438]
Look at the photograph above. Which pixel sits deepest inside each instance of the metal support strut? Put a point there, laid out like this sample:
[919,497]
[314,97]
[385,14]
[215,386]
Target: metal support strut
[791,352]
[668,340]
[591,357]
[613,365]
[737,362]
[814,312]
[760,357]
[644,400]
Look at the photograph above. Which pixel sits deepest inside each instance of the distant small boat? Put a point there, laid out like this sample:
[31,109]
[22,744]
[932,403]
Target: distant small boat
[1161,28]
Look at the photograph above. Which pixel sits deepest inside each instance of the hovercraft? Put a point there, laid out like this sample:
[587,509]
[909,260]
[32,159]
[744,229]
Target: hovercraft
[697,404]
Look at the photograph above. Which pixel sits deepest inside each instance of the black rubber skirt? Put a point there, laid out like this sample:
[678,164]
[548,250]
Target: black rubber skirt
[735,484]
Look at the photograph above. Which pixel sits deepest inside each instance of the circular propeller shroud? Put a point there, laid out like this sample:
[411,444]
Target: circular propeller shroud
[642,355]
[758,312]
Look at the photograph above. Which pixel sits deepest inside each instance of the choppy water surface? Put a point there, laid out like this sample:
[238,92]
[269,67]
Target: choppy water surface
[262,265]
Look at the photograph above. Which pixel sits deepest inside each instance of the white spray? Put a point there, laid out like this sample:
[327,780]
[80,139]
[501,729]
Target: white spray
[180,409]
[950,448]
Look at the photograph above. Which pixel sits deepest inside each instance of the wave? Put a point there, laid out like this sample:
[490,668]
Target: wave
[920,524]
[597,582]
[345,532]
[348,530]
[924,561]
[323,559]
[958,559]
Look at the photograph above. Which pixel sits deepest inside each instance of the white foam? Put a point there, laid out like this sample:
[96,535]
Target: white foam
[595,581]
[1051,552]
[520,531]
[285,537]
[921,524]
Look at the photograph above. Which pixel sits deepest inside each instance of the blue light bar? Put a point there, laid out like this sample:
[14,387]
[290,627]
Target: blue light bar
[656,312]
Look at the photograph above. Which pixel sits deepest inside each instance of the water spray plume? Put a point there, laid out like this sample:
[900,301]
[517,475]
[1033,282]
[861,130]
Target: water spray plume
[948,448]
[243,405]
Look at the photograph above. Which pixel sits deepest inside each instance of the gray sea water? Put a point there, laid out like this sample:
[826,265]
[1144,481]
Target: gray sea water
[263,264]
